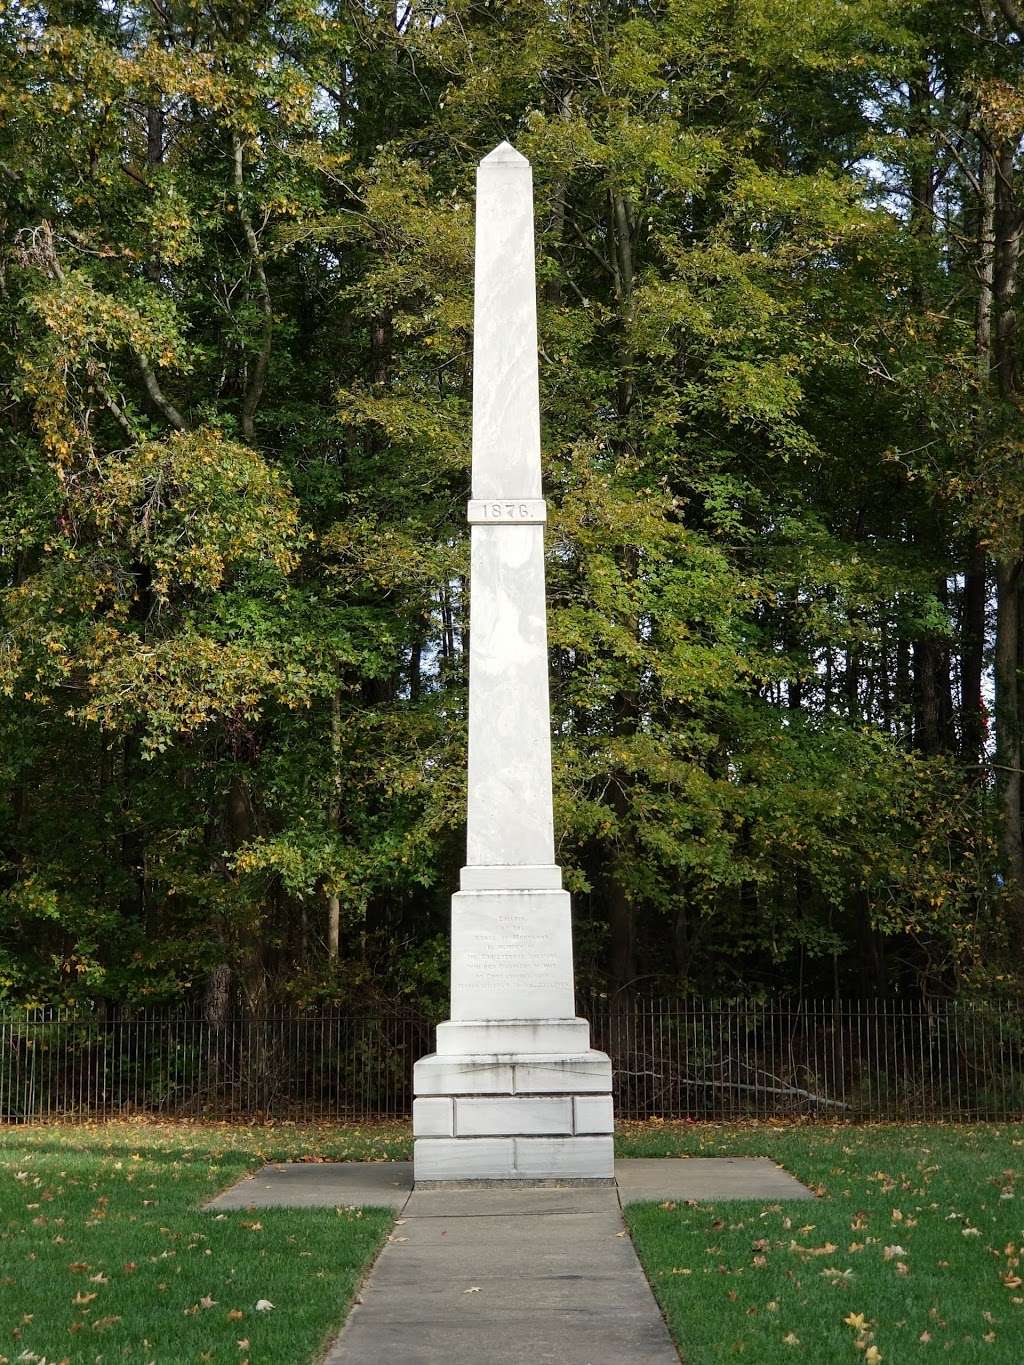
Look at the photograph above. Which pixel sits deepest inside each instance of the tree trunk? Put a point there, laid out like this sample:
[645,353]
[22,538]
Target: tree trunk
[334,818]
[972,625]
[1008,568]
[972,655]
[986,262]
[237,828]
[922,182]
[622,936]
[933,704]
[217,997]
[1008,728]
[257,376]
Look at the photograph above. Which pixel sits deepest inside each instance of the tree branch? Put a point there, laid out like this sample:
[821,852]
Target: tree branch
[155,392]
[118,413]
[968,173]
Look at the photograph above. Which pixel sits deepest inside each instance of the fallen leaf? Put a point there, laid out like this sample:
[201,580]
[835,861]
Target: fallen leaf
[263,1305]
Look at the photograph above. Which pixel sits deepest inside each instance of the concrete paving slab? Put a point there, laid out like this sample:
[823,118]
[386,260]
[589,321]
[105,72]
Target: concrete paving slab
[315,1185]
[603,1338]
[507,1278]
[389,1184]
[708,1179]
[459,1240]
[511,1201]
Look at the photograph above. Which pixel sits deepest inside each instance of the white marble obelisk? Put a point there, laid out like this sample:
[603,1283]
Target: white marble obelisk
[514,1091]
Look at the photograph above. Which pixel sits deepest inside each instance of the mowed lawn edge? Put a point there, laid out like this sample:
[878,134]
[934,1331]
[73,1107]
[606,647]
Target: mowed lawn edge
[106,1252]
[912,1252]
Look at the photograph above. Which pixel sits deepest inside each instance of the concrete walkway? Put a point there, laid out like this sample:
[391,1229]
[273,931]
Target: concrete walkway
[476,1275]
[507,1277]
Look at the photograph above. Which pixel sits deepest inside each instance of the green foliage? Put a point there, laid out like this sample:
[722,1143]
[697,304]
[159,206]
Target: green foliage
[235,325]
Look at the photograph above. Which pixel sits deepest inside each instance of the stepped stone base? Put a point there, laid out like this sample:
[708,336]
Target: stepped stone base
[523,1116]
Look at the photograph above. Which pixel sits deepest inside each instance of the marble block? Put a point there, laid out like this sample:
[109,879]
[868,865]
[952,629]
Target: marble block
[514,1158]
[511,877]
[495,1037]
[513,1115]
[575,1158]
[436,1075]
[586,1073]
[471,1159]
[590,1072]
[434,1117]
[592,1114]
[511,955]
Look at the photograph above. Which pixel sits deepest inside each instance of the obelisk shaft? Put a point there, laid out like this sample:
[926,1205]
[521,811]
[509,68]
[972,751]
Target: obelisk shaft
[509,816]
[514,1091]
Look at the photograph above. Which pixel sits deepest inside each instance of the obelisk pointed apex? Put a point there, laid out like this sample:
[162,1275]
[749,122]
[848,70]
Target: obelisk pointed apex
[506,407]
[505,154]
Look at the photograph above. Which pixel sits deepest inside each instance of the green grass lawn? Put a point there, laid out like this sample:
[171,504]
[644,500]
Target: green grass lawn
[105,1255]
[912,1253]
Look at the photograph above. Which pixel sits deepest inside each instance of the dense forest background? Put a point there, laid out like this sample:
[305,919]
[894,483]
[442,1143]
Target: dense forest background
[781,388]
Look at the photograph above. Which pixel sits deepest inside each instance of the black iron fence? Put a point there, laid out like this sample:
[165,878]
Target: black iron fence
[868,1059]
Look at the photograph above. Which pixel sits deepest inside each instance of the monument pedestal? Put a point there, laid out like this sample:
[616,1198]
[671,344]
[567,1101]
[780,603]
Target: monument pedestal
[523,1116]
[508,1097]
